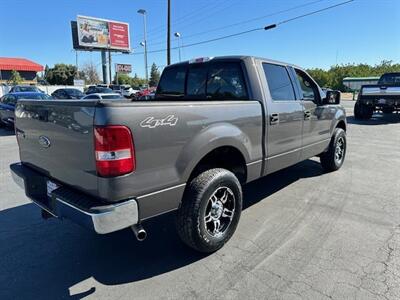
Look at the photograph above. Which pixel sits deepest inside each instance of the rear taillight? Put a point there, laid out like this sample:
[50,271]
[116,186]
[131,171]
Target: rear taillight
[114,150]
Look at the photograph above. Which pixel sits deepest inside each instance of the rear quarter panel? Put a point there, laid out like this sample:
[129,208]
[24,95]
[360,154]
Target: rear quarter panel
[166,153]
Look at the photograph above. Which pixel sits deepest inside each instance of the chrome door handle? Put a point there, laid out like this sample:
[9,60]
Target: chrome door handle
[307,115]
[274,119]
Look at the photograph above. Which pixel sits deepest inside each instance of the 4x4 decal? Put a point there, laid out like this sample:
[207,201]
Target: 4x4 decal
[152,122]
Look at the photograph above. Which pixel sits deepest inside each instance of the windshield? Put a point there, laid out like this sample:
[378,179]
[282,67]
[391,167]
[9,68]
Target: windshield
[392,78]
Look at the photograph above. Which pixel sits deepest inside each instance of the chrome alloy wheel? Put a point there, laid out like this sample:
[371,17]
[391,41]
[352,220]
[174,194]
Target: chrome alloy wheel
[219,212]
[339,150]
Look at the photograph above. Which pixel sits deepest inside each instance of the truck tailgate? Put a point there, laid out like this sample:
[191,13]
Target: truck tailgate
[56,139]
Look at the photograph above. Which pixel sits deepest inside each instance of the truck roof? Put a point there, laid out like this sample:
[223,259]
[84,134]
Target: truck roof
[238,57]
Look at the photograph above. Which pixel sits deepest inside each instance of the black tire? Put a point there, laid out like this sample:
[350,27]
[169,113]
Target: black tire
[362,112]
[333,158]
[198,205]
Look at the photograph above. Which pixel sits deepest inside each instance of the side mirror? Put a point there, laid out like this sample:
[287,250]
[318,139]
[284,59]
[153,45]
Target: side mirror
[332,97]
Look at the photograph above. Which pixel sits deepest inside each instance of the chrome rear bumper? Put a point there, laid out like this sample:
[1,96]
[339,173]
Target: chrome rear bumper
[79,208]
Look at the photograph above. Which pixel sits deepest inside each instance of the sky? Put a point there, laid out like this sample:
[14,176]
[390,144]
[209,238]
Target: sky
[363,31]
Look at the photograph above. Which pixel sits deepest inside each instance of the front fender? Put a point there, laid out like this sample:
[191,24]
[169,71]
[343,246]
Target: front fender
[340,116]
[210,138]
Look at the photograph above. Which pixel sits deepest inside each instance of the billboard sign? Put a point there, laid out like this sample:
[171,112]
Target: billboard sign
[94,33]
[123,68]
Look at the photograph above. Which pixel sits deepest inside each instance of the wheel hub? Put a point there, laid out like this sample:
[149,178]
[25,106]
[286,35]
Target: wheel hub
[339,150]
[216,210]
[219,211]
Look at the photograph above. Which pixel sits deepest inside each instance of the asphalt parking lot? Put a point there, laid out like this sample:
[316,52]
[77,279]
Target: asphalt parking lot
[303,235]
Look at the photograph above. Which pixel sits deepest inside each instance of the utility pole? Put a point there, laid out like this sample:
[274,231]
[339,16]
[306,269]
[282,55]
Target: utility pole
[169,33]
[76,64]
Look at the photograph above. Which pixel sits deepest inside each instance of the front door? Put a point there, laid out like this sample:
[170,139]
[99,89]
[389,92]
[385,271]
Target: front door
[284,119]
[317,117]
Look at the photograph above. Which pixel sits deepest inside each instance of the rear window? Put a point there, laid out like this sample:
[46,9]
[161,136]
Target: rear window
[279,83]
[225,81]
[172,82]
[204,81]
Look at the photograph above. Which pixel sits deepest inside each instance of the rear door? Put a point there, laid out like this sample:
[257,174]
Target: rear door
[284,119]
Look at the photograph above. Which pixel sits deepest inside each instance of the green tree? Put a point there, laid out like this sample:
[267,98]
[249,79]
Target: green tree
[333,77]
[154,75]
[61,74]
[15,78]
[123,79]
[137,81]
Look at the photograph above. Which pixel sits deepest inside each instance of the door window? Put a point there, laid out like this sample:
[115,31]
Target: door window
[279,83]
[309,90]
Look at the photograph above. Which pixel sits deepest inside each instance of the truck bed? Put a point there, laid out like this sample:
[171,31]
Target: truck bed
[166,136]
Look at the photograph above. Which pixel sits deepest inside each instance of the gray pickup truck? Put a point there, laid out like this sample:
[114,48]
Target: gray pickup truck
[215,124]
[384,96]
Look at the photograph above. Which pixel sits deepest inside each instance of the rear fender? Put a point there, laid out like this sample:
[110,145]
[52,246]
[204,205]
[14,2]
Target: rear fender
[210,138]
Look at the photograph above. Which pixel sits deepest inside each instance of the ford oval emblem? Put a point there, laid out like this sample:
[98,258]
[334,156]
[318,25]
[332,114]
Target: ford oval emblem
[44,141]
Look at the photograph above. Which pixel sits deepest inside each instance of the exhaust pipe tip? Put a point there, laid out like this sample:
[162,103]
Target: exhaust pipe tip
[139,232]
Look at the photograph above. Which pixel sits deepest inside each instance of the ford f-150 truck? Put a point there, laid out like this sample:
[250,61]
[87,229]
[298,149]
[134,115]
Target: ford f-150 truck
[385,97]
[215,124]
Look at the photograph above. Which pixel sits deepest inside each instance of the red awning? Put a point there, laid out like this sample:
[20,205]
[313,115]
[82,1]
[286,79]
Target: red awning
[19,64]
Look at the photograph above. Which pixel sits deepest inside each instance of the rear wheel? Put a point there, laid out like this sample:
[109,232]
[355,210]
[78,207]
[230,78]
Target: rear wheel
[333,159]
[210,210]
[362,112]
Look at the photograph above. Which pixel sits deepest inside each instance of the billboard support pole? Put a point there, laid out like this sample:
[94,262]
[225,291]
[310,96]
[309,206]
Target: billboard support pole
[109,67]
[104,65]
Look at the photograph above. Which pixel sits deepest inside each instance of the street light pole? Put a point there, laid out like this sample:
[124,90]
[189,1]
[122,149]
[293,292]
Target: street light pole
[178,35]
[169,33]
[144,43]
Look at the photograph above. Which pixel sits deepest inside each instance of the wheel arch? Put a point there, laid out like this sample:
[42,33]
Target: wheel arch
[221,145]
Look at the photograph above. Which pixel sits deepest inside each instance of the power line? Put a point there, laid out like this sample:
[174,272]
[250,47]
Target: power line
[255,19]
[268,27]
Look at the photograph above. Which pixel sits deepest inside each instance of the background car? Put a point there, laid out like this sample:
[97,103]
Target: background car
[68,93]
[129,92]
[99,90]
[8,102]
[105,96]
[150,96]
[25,88]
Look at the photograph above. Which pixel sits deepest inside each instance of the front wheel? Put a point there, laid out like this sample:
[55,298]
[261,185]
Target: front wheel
[210,210]
[333,158]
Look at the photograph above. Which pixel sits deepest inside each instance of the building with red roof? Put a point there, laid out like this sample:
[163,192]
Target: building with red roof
[26,68]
